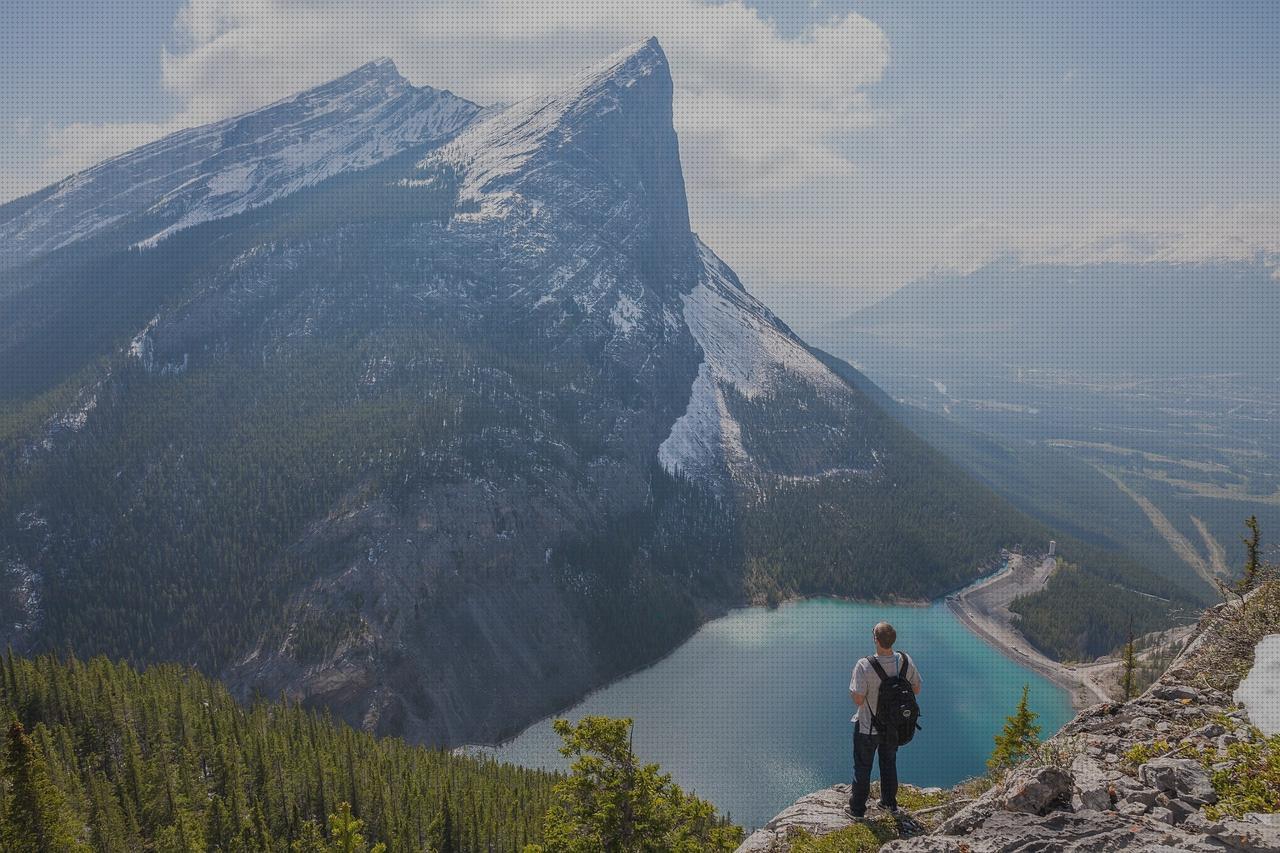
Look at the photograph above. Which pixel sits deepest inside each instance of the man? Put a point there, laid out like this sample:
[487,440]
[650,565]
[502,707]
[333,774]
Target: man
[864,687]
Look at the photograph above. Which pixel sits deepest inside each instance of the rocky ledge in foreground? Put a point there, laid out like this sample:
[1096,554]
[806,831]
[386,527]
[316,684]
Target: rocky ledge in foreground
[1150,774]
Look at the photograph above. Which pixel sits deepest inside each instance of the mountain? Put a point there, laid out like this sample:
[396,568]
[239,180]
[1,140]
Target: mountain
[230,166]
[444,442]
[1149,319]
[1133,404]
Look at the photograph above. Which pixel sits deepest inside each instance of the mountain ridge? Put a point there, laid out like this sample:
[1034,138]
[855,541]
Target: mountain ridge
[204,173]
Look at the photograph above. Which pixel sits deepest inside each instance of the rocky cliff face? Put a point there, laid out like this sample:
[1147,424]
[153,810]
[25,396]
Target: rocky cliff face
[1158,773]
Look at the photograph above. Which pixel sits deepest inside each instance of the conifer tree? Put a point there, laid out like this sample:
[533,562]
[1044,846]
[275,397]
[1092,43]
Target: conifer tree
[192,770]
[310,839]
[1130,667]
[35,817]
[346,833]
[441,830]
[1019,737]
[613,804]
[1252,563]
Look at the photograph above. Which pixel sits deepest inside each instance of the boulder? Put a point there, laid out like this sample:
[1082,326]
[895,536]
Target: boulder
[1145,796]
[1175,692]
[1094,784]
[1182,810]
[1035,792]
[1132,808]
[819,813]
[1182,777]
[1095,799]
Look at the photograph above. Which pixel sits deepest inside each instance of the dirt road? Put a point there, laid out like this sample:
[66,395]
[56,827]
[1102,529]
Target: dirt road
[984,609]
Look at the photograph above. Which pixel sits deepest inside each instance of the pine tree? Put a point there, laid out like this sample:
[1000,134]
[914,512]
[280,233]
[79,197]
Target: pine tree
[441,830]
[1130,665]
[1019,737]
[345,830]
[613,804]
[35,816]
[310,839]
[1252,563]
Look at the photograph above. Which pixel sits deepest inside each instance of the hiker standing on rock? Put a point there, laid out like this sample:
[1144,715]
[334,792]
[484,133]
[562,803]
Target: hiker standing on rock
[884,687]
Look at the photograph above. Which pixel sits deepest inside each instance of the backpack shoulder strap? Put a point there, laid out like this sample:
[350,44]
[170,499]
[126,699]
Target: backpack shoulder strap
[875,664]
[906,665]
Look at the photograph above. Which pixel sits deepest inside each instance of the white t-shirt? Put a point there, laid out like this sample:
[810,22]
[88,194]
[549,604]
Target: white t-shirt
[865,681]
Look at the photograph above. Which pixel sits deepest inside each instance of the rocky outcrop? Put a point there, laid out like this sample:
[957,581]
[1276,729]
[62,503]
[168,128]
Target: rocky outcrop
[819,813]
[1134,776]
[823,813]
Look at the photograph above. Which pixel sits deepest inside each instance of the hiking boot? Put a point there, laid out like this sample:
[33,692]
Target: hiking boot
[852,815]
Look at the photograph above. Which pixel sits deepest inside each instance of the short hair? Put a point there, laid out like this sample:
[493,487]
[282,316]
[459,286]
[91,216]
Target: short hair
[885,635]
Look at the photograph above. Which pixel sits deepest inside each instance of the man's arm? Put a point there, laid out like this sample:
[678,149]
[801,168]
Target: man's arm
[857,682]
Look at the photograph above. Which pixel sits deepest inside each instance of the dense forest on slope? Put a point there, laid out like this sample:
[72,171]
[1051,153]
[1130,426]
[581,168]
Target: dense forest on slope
[923,528]
[166,760]
[1081,616]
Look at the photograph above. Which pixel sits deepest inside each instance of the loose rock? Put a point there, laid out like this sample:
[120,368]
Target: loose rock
[1180,776]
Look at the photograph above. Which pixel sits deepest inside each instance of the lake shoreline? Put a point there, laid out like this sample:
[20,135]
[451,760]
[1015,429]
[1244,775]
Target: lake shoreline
[754,710]
[983,608]
[989,632]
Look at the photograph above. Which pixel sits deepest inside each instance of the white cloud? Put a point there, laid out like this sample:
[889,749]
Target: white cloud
[1231,232]
[756,111]
[760,114]
[770,130]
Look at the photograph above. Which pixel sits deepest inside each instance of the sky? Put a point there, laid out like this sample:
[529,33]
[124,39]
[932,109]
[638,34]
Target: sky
[834,150]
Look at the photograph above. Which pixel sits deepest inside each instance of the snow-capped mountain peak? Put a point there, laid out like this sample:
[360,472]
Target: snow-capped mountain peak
[502,146]
[602,146]
[237,164]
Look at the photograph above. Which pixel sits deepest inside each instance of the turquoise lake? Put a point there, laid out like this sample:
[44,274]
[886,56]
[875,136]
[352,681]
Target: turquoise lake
[753,710]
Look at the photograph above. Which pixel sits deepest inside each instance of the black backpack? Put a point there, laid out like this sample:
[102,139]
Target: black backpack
[897,713]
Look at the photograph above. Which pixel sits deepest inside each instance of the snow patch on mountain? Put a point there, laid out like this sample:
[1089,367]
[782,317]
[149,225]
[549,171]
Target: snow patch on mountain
[746,345]
[1257,692]
[746,348]
[625,314]
[237,179]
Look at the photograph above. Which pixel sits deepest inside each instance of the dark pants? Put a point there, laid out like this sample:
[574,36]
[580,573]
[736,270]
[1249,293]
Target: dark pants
[865,748]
